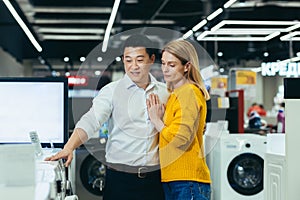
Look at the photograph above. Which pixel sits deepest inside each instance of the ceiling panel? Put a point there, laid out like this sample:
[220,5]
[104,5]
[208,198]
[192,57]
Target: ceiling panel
[75,27]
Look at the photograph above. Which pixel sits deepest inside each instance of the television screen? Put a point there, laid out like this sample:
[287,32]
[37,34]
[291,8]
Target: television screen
[30,103]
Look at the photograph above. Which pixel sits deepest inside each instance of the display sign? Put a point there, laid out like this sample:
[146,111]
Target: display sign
[219,85]
[77,80]
[219,82]
[246,80]
[291,69]
[244,77]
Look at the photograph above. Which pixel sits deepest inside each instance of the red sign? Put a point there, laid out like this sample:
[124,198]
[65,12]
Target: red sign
[77,80]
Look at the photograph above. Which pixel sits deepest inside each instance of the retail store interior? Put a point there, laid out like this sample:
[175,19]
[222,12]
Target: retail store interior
[55,56]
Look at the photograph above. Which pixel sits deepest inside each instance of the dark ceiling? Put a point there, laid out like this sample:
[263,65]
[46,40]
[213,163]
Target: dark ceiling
[63,28]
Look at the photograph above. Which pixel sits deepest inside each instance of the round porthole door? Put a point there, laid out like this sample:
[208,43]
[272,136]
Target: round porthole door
[245,174]
[92,175]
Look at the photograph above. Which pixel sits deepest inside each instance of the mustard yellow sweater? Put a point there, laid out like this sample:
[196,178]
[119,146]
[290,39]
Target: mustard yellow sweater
[181,140]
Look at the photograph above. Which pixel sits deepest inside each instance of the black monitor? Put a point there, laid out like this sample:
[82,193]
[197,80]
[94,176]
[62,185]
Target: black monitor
[31,103]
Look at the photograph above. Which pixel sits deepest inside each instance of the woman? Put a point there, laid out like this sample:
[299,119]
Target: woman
[185,174]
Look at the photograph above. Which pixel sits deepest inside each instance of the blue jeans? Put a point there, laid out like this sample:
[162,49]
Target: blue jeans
[186,190]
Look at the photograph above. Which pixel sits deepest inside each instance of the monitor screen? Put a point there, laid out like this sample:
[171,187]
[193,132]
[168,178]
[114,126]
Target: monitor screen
[39,104]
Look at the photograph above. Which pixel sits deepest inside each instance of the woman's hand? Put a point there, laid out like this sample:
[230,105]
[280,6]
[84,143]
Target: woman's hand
[156,111]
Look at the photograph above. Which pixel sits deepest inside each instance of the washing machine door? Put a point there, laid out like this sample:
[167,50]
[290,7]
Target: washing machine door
[245,174]
[92,175]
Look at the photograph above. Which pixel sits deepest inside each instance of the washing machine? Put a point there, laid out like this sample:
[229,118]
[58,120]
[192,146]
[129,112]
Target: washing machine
[237,165]
[88,171]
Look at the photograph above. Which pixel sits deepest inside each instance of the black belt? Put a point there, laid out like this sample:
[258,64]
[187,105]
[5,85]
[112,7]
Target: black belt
[141,171]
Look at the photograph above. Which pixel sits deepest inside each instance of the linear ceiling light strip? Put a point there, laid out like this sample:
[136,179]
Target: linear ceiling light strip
[246,22]
[241,31]
[229,3]
[290,36]
[214,14]
[199,25]
[69,21]
[187,34]
[110,24]
[23,25]
[291,28]
[209,18]
[256,22]
[95,10]
[272,35]
[70,30]
[233,39]
[71,37]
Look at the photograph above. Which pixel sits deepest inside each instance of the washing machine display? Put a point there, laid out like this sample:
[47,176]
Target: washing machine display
[245,174]
[236,165]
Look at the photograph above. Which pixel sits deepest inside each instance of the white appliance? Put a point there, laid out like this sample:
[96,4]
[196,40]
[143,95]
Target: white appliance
[24,176]
[237,165]
[275,168]
[88,170]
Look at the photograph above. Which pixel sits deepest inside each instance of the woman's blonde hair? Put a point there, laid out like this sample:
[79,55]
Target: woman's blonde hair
[186,52]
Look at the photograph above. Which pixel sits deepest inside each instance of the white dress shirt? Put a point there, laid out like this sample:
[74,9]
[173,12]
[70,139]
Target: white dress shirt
[132,139]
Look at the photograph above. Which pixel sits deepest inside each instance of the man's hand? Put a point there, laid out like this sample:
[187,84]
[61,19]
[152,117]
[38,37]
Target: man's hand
[64,153]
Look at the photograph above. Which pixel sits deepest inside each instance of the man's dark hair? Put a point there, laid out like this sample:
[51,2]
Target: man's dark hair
[139,40]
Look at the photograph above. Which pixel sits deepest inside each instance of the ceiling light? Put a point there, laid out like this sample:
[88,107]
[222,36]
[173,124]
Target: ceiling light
[202,35]
[220,54]
[298,54]
[272,35]
[199,25]
[187,34]
[23,25]
[66,59]
[131,1]
[97,73]
[243,31]
[291,28]
[229,3]
[290,36]
[82,58]
[131,21]
[266,54]
[250,22]
[71,37]
[215,14]
[93,10]
[236,35]
[69,21]
[118,59]
[233,39]
[245,34]
[293,39]
[110,24]
[70,30]
[99,59]
[216,27]
[160,22]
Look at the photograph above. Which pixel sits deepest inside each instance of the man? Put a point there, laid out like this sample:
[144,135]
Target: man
[132,148]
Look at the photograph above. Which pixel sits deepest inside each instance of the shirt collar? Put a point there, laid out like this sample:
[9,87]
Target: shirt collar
[129,83]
